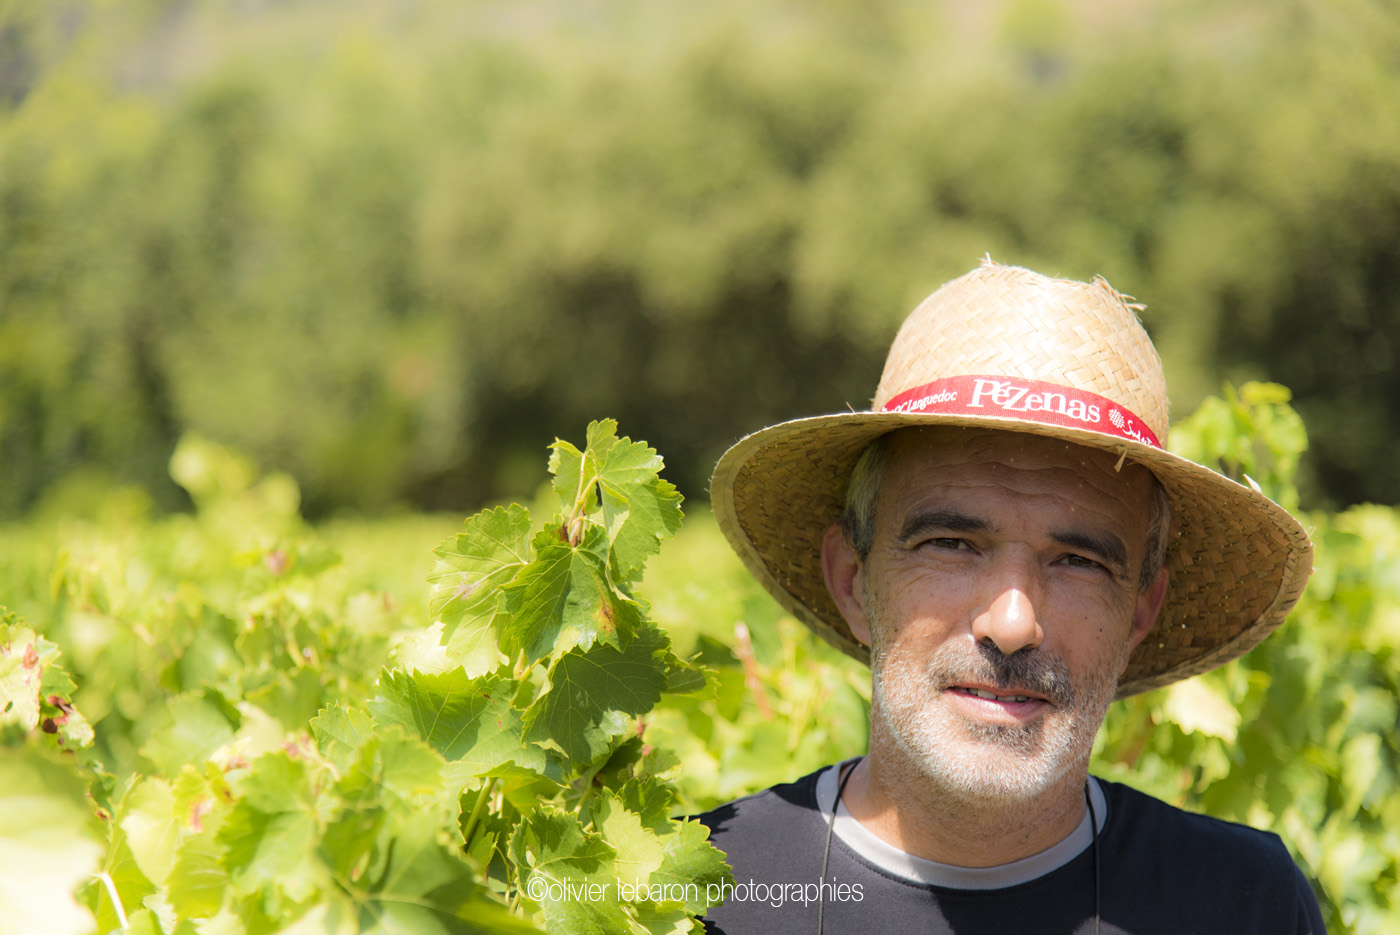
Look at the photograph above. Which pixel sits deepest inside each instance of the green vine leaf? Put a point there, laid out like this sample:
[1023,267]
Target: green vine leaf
[591,694]
[196,725]
[35,690]
[564,599]
[688,857]
[272,833]
[569,873]
[152,828]
[45,847]
[639,508]
[471,722]
[339,733]
[639,851]
[464,586]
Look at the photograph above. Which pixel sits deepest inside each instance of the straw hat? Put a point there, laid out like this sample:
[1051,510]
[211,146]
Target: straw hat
[1005,348]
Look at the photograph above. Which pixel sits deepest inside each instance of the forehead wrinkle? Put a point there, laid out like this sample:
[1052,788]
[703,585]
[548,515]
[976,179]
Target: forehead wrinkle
[997,448]
[1019,472]
[944,481]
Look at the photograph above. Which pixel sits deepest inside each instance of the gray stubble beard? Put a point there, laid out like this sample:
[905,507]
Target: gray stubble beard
[989,764]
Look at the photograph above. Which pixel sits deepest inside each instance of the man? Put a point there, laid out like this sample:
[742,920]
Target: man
[1006,542]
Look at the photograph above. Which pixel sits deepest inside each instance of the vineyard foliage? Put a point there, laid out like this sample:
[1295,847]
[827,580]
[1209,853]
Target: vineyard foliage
[230,722]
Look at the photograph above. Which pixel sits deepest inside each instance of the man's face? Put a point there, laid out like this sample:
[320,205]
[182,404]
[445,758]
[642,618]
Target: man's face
[1001,600]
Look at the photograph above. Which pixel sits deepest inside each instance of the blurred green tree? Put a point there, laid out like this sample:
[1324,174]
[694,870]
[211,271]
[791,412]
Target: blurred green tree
[392,251]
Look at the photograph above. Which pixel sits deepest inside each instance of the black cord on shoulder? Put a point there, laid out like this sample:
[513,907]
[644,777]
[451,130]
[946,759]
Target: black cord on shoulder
[826,851]
[1094,829]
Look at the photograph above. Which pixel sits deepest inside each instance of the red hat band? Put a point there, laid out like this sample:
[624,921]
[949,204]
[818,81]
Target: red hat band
[1027,400]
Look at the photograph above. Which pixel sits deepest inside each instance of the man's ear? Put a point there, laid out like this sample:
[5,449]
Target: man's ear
[1149,605]
[843,572]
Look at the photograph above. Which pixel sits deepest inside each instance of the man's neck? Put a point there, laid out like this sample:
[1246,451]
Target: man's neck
[904,807]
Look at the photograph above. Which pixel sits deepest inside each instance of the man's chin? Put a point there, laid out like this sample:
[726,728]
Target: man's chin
[993,764]
[1001,782]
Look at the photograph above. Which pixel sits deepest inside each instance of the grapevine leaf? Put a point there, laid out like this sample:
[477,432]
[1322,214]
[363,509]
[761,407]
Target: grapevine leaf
[447,911]
[569,874]
[423,651]
[198,792]
[1361,758]
[152,828]
[198,881]
[591,691]
[45,851]
[197,727]
[143,922]
[357,844]
[464,584]
[419,883]
[271,833]
[21,675]
[469,721]
[291,698]
[639,852]
[661,919]
[563,599]
[1197,705]
[420,863]
[652,801]
[406,767]
[269,853]
[339,733]
[683,678]
[475,649]
[128,880]
[566,464]
[639,508]
[689,857]
[396,775]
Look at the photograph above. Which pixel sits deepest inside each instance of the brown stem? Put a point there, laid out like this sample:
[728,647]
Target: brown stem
[744,650]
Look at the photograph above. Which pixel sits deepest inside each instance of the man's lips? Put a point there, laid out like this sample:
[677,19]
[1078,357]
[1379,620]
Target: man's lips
[1013,695]
[1022,686]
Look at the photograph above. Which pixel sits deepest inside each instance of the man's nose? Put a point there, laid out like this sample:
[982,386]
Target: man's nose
[1009,621]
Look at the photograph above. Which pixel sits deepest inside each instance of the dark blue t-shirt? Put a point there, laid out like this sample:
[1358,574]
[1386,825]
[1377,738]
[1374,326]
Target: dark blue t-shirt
[1163,871]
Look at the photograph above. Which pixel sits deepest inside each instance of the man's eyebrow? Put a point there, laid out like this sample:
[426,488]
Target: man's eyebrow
[1106,546]
[935,520]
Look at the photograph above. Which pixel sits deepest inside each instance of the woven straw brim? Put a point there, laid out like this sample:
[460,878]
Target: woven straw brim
[1238,561]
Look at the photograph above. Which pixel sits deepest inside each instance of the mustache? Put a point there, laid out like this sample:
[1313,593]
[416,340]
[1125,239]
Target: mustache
[1028,670]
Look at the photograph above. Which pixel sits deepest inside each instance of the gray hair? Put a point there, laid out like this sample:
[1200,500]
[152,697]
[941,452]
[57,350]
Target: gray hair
[869,471]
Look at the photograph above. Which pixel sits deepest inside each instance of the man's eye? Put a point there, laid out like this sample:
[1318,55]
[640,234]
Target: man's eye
[1080,561]
[947,543]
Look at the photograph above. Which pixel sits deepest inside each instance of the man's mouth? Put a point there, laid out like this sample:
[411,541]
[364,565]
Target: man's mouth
[992,696]
[1026,685]
[1000,696]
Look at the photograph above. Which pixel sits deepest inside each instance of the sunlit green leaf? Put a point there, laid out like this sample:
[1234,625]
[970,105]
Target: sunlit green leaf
[195,727]
[569,874]
[564,599]
[340,732]
[152,828]
[465,582]
[46,851]
[469,721]
[589,690]
[638,849]
[271,833]
[1197,705]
